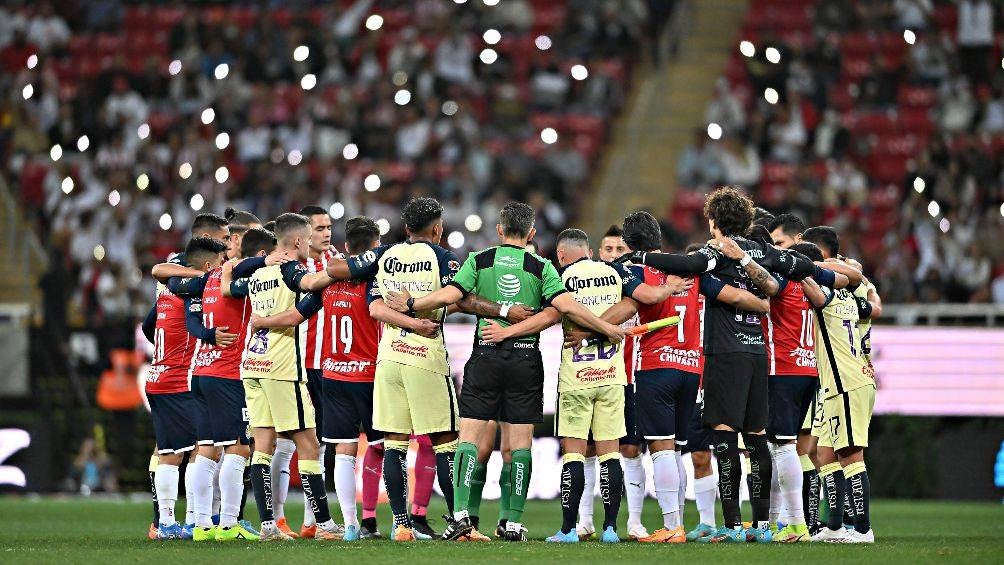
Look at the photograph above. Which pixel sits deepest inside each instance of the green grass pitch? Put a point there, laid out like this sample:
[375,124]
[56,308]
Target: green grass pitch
[80,530]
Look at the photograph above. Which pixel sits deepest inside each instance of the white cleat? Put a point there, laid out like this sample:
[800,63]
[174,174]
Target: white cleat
[585,530]
[853,536]
[637,532]
[827,535]
[272,533]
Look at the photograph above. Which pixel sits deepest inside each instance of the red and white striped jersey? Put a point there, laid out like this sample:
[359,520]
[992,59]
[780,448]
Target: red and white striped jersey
[312,329]
[173,347]
[789,333]
[352,336]
[631,349]
[678,347]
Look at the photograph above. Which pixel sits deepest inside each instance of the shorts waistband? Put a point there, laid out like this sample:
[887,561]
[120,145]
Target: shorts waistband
[508,347]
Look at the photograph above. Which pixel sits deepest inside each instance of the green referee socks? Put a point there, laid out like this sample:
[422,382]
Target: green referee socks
[506,491]
[477,487]
[519,483]
[465,463]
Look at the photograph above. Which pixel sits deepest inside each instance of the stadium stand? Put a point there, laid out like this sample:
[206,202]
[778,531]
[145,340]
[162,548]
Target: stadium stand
[126,117]
[878,117]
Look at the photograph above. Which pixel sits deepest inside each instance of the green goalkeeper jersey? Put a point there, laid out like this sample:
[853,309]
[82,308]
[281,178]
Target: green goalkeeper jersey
[509,275]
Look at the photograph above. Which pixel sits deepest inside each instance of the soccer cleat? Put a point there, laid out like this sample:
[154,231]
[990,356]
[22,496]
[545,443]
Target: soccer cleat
[792,533]
[236,532]
[308,532]
[855,536]
[170,531]
[663,535]
[187,531]
[351,533]
[456,529]
[369,529]
[421,525]
[700,531]
[272,532]
[759,535]
[514,531]
[637,531]
[726,534]
[570,537]
[284,528]
[610,536]
[248,527]
[403,533]
[585,531]
[336,533]
[204,534]
[475,535]
[827,535]
[152,532]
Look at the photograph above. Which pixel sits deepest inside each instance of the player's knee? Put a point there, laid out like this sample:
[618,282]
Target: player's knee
[346,448]
[756,443]
[726,444]
[630,451]
[239,449]
[171,459]
[702,463]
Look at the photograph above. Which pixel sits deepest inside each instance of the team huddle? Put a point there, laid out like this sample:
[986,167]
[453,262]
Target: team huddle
[268,341]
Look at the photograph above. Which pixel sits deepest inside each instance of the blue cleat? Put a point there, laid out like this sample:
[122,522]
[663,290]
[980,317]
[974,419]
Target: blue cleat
[170,531]
[570,537]
[759,535]
[188,531]
[610,536]
[702,530]
[248,527]
[351,533]
[726,534]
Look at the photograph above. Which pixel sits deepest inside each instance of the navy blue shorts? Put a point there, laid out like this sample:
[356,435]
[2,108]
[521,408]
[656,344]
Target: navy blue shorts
[314,379]
[699,437]
[348,410]
[633,436]
[173,421]
[665,401]
[789,398]
[222,415]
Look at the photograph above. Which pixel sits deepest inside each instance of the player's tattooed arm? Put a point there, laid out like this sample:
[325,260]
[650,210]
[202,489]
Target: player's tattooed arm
[164,271]
[403,302]
[814,293]
[760,276]
[743,300]
[578,314]
[421,326]
[616,314]
[484,308]
[493,332]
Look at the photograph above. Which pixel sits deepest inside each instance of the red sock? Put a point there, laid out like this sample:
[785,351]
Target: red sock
[425,475]
[372,469]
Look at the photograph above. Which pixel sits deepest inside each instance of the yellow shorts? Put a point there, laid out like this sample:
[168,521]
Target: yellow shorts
[845,419]
[409,400]
[598,409]
[283,405]
[815,410]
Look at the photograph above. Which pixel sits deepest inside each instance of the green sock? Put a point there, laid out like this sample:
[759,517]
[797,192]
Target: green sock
[477,486]
[522,466]
[465,463]
[504,498]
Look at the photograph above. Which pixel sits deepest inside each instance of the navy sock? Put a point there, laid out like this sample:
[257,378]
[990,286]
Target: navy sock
[729,475]
[261,483]
[395,476]
[573,481]
[761,468]
[444,473]
[611,488]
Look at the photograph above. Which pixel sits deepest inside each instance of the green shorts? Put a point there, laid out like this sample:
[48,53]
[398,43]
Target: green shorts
[598,409]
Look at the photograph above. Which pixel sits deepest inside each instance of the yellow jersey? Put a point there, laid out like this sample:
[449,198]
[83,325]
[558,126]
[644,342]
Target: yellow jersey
[841,364]
[274,353]
[865,324]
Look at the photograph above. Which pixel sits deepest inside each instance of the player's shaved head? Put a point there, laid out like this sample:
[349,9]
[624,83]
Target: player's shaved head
[290,225]
[516,219]
[421,214]
[203,251]
[573,237]
[571,245]
[810,250]
[256,241]
[641,232]
[361,233]
[240,220]
[208,223]
[729,210]
[826,238]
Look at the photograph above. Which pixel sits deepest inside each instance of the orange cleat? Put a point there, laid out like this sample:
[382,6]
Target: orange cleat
[152,532]
[308,532]
[662,535]
[475,536]
[284,528]
[403,533]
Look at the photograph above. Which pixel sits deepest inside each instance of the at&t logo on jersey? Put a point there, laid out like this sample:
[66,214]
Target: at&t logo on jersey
[259,342]
[508,285]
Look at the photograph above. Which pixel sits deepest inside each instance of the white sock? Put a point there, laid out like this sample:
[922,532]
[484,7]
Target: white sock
[202,471]
[231,488]
[284,449]
[789,477]
[776,504]
[166,483]
[666,475]
[190,492]
[682,469]
[345,487]
[634,485]
[705,490]
[217,495]
[586,503]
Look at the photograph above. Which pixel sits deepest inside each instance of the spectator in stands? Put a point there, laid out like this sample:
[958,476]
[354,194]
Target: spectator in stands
[913,14]
[832,138]
[845,184]
[567,164]
[48,30]
[993,112]
[740,162]
[698,166]
[956,104]
[725,109]
[929,59]
[975,37]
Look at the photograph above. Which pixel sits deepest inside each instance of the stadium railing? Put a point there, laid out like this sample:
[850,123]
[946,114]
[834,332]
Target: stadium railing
[944,314]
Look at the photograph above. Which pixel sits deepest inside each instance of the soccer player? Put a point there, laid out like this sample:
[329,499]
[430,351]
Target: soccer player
[412,392]
[221,422]
[847,381]
[274,379]
[669,370]
[171,401]
[502,381]
[735,378]
[786,230]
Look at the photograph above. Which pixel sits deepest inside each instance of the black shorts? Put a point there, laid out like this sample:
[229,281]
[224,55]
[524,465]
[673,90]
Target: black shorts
[633,436]
[503,384]
[665,401]
[790,397]
[348,410]
[173,421]
[698,437]
[314,379]
[735,391]
[221,412]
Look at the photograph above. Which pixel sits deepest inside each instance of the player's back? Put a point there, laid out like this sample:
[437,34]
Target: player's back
[597,286]
[273,353]
[729,329]
[841,364]
[219,311]
[680,347]
[790,332]
[352,335]
[173,347]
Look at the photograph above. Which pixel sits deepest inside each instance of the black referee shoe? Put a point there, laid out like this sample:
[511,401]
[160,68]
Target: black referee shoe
[456,529]
[421,524]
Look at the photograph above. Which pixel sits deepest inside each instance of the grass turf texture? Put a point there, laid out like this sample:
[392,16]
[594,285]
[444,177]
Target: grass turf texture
[77,530]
